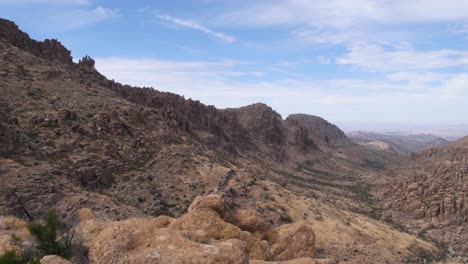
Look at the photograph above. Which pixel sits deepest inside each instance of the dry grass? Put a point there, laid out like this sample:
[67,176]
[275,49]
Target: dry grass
[13,232]
[350,236]
[13,223]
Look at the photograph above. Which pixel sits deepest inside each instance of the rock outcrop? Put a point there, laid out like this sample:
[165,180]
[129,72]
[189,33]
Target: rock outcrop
[87,63]
[262,122]
[203,235]
[50,48]
[319,130]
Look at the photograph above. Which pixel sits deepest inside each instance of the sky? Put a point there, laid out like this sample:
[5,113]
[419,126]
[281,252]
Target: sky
[368,63]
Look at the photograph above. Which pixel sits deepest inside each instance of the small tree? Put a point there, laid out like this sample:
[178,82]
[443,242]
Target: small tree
[52,237]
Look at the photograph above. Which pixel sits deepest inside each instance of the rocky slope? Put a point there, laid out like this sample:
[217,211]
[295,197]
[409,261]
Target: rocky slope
[428,193]
[71,139]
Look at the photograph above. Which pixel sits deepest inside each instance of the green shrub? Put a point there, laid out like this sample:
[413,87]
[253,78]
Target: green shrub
[52,237]
[10,257]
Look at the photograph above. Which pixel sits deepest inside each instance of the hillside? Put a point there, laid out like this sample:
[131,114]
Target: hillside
[72,139]
[395,143]
[427,192]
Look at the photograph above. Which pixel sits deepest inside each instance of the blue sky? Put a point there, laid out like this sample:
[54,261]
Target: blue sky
[369,62]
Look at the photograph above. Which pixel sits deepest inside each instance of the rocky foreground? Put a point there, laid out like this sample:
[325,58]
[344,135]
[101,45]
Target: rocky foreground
[208,233]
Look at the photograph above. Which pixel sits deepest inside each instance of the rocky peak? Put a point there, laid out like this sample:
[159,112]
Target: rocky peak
[263,122]
[48,49]
[319,129]
[87,63]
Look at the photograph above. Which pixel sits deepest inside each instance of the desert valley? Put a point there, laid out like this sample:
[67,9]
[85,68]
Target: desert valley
[96,171]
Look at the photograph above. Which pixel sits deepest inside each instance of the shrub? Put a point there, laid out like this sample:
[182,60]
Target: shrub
[10,257]
[52,237]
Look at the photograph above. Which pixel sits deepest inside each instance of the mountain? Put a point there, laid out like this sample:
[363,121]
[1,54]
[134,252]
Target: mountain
[428,193]
[401,144]
[137,159]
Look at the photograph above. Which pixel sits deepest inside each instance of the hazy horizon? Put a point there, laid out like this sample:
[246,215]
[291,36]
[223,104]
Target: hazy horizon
[376,63]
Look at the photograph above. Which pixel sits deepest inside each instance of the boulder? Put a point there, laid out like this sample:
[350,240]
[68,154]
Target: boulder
[292,241]
[260,250]
[249,220]
[54,259]
[211,223]
[139,241]
[211,201]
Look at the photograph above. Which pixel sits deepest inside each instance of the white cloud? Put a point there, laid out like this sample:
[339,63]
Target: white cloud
[378,58]
[219,83]
[71,19]
[196,26]
[417,77]
[346,13]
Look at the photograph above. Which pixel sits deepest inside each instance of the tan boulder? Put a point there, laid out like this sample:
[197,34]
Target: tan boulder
[54,259]
[211,201]
[260,250]
[249,220]
[292,241]
[211,223]
[136,241]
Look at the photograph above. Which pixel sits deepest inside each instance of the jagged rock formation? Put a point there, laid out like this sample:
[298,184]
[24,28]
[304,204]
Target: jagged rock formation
[429,192]
[48,49]
[87,63]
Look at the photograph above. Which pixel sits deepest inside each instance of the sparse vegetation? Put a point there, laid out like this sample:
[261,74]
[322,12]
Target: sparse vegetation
[52,236]
[361,191]
[12,257]
[374,164]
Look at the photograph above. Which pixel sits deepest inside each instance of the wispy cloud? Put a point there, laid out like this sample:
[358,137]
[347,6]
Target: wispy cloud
[72,19]
[378,58]
[196,26]
[345,14]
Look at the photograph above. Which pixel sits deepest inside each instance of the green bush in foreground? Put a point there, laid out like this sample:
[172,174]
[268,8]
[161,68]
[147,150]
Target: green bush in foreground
[10,257]
[50,236]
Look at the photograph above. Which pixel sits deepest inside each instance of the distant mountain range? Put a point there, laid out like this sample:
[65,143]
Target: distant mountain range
[401,144]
